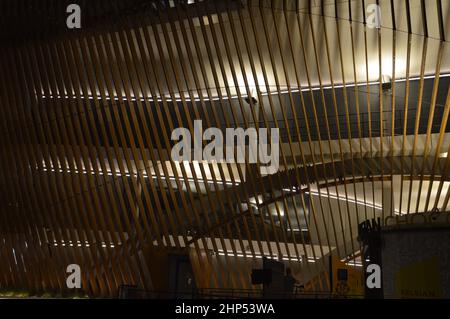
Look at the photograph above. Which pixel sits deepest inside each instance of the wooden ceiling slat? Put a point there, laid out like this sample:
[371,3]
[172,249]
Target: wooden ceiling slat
[85,173]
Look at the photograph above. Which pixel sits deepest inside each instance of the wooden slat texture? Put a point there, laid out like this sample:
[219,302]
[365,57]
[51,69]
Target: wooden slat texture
[87,116]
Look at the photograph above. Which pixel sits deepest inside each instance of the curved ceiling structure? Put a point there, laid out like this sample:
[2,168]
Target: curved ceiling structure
[358,92]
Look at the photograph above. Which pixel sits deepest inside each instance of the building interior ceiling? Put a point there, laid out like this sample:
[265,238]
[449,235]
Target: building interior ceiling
[87,116]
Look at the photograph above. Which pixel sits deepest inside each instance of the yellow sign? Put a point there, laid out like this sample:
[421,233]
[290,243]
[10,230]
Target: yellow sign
[419,280]
[348,280]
